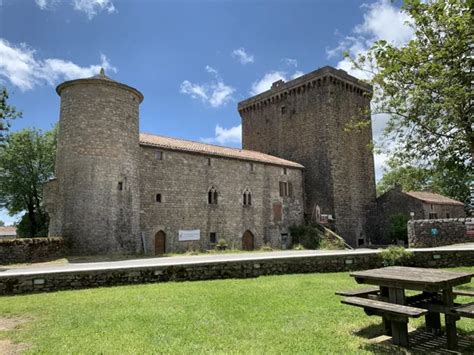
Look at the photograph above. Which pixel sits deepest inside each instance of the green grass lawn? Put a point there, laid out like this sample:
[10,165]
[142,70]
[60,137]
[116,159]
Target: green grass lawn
[275,314]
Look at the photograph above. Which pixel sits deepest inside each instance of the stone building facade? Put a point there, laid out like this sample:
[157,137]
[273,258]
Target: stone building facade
[119,191]
[308,120]
[413,205]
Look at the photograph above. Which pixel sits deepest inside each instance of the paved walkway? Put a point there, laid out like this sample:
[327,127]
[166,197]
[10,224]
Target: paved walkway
[197,259]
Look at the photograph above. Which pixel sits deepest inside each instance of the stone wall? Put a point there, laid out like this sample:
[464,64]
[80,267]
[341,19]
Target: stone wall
[436,232]
[28,250]
[183,181]
[305,120]
[192,271]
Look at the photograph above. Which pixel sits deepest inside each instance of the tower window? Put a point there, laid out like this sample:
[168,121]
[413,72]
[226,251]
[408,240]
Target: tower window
[285,171]
[252,167]
[247,198]
[448,215]
[120,186]
[212,196]
[212,237]
[159,155]
[283,110]
[209,161]
[158,198]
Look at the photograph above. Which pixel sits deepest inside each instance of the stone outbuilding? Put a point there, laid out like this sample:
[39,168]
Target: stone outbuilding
[413,205]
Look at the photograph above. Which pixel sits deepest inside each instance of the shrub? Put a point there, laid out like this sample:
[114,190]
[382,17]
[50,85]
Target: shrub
[266,247]
[298,247]
[306,235]
[221,242]
[398,227]
[395,255]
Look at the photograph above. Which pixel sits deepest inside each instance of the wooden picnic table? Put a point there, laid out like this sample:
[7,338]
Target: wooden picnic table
[437,295]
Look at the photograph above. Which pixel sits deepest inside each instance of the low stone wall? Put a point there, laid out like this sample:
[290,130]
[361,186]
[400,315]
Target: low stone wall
[427,233]
[53,281]
[27,250]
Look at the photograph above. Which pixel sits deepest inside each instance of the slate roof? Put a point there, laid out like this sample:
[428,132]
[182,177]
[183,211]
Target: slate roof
[211,149]
[430,197]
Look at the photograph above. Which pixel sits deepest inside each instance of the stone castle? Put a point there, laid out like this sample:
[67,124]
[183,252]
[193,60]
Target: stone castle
[119,191]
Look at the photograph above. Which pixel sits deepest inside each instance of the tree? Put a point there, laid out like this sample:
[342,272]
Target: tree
[425,88]
[7,113]
[26,163]
[2,224]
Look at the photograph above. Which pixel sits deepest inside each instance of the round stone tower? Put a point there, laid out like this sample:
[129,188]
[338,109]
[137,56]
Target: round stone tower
[97,167]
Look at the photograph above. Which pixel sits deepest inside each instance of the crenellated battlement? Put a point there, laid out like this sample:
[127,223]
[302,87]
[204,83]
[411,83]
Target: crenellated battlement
[327,75]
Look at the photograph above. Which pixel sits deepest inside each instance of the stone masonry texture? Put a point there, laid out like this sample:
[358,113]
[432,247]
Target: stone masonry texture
[437,232]
[27,250]
[97,150]
[48,282]
[307,120]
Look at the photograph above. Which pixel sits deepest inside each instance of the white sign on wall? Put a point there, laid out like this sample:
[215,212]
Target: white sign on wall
[184,236]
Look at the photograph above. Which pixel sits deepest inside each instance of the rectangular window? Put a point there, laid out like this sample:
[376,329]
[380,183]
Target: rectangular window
[159,155]
[285,171]
[120,186]
[448,215]
[286,189]
[283,110]
[212,237]
[209,161]
[433,215]
[252,167]
[158,198]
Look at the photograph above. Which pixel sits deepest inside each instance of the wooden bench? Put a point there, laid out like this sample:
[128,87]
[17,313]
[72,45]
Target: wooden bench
[395,316]
[465,310]
[392,309]
[359,292]
[457,292]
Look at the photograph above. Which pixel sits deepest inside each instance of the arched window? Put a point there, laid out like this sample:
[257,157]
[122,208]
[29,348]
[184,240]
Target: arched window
[247,198]
[212,196]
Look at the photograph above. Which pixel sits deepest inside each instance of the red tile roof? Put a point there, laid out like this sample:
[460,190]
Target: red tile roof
[431,197]
[7,231]
[210,149]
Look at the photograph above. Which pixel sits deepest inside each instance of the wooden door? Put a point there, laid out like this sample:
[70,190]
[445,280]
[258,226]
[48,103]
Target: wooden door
[248,241]
[160,243]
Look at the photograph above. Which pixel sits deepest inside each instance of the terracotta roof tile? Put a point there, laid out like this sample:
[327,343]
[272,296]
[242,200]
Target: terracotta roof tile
[7,231]
[210,149]
[431,197]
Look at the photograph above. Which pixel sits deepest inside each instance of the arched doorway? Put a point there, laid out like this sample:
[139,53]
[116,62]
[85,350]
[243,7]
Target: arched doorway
[160,243]
[248,241]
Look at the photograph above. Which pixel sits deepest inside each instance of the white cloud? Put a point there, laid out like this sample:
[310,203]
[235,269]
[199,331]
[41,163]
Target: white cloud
[93,7]
[242,56]
[215,93]
[382,20]
[226,136]
[268,79]
[46,4]
[21,67]
[290,62]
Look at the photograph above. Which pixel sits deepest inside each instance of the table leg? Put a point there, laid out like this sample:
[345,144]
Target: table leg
[399,327]
[400,333]
[386,323]
[450,320]
[432,319]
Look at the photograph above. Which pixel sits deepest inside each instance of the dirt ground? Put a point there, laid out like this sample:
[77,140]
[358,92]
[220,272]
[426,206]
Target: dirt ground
[7,347]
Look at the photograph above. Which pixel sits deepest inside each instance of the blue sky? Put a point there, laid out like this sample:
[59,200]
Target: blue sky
[193,60]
